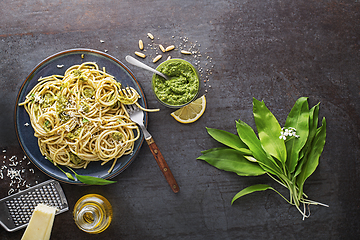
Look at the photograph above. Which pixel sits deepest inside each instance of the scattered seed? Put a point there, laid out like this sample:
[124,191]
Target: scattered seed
[157,58]
[150,36]
[185,52]
[59,66]
[162,48]
[169,48]
[141,44]
[102,41]
[169,57]
[139,54]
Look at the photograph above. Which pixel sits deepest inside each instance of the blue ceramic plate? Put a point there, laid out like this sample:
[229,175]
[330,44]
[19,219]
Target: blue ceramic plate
[49,66]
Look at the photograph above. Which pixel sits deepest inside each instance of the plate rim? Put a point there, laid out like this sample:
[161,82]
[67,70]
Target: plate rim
[69,51]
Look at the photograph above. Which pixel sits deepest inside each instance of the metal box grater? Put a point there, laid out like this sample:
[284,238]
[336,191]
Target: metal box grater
[16,209]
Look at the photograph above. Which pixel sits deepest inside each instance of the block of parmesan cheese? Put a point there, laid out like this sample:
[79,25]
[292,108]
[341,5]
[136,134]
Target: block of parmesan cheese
[40,224]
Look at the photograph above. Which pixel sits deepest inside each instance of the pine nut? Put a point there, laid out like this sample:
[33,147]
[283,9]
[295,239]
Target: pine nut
[162,48]
[185,52]
[141,44]
[157,58]
[139,54]
[169,48]
[150,36]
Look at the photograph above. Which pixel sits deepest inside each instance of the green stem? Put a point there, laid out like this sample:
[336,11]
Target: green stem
[276,180]
[71,169]
[68,175]
[307,201]
[288,138]
[295,194]
[281,195]
[285,183]
[277,172]
[291,192]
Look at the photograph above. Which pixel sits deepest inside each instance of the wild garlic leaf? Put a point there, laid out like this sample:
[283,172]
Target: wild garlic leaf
[313,123]
[269,131]
[248,136]
[87,179]
[213,149]
[312,160]
[251,189]
[298,118]
[244,151]
[231,160]
[93,180]
[69,176]
[226,138]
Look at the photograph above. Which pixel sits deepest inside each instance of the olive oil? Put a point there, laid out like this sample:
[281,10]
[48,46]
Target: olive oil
[93,213]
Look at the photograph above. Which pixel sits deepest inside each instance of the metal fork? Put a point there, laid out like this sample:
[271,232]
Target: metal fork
[137,116]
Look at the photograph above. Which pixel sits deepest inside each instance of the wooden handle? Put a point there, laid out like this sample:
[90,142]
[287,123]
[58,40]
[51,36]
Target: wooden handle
[163,165]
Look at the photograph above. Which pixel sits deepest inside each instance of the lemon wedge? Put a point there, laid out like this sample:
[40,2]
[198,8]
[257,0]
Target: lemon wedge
[191,112]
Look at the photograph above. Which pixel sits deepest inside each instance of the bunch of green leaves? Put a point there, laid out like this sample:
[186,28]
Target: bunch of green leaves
[288,160]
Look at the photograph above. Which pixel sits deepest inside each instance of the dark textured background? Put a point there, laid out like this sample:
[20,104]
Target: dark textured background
[273,50]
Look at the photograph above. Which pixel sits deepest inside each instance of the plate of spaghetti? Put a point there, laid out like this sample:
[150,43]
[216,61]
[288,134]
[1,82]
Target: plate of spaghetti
[70,113]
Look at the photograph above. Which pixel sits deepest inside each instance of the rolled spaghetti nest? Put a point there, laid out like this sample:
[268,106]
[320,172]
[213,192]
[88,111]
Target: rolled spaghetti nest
[80,117]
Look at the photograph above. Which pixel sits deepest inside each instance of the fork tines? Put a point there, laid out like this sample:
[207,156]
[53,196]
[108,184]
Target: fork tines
[130,107]
[127,91]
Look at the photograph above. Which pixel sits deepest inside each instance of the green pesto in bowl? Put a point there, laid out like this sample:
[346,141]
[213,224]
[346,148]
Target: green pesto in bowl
[182,87]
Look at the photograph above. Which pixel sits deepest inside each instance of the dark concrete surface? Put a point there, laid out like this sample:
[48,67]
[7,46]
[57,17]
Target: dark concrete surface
[274,50]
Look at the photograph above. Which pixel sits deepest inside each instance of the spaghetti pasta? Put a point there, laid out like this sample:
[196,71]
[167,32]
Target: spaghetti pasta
[80,117]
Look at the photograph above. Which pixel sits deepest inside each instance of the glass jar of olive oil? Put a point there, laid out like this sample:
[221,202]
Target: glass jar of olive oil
[93,213]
